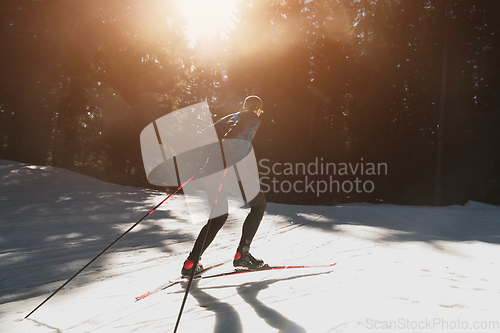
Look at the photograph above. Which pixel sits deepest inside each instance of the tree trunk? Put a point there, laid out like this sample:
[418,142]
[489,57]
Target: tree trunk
[438,196]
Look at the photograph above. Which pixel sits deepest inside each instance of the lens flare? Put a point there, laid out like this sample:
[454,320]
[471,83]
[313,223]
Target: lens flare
[223,74]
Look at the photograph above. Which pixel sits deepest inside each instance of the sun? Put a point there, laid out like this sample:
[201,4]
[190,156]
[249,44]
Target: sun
[206,17]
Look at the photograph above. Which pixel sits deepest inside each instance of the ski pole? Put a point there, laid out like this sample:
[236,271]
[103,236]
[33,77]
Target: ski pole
[198,255]
[106,249]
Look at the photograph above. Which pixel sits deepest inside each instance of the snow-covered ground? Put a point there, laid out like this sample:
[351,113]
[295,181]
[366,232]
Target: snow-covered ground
[399,268]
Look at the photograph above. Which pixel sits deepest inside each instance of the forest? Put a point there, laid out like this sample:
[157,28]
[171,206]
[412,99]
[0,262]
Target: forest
[410,85]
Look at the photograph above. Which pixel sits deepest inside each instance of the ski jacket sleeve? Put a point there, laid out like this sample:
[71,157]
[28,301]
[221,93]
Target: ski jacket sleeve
[249,122]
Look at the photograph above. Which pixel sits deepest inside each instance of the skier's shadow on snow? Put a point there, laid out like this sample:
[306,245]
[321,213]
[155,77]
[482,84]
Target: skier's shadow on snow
[226,316]
[273,318]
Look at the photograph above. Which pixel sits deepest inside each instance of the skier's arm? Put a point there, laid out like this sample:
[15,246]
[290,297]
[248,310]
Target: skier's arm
[246,124]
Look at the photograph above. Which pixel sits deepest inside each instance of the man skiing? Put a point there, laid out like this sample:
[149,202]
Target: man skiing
[244,126]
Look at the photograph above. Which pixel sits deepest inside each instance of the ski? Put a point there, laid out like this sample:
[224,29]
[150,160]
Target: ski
[173,283]
[244,270]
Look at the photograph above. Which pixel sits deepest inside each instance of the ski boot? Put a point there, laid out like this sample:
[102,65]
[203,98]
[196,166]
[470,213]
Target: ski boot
[187,268]
[243,259]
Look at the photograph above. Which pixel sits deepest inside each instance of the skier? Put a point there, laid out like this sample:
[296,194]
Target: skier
[244,125]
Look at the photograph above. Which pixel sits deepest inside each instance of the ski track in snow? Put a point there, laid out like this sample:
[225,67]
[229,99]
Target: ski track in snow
[397,266]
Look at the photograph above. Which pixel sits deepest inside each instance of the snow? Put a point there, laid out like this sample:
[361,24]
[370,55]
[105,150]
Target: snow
[399,268]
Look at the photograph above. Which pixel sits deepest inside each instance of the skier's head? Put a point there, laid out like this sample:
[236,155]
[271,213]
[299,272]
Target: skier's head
[253,103]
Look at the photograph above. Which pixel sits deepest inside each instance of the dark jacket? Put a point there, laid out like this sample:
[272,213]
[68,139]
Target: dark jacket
[236,143]
[244,130]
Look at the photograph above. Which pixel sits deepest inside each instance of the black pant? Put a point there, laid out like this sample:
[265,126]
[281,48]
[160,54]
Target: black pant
[217,197]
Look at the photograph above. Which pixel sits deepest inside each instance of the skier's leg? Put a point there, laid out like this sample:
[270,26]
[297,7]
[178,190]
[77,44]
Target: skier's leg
[243,258]
[252,221]
[207,233]
[219,211]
